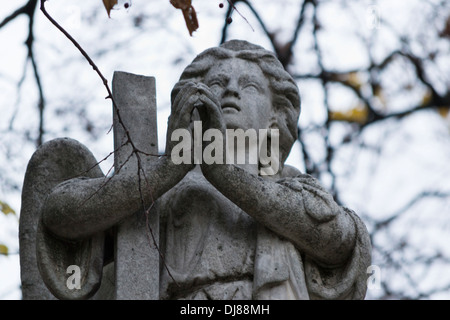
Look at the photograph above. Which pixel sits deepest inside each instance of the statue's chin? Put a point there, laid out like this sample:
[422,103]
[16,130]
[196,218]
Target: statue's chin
[233,120]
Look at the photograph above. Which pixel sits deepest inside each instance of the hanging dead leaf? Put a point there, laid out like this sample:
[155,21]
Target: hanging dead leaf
[445,33]
[181,4]
[379,94]
[189,14]
[358,114]
[3,249]
[444,111]
[6,209]
[354,80]
[191,19]
[351,79]
[426,99]
[109,4]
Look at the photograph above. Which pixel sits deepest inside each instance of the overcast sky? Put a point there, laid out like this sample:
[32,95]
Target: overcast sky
[163,48]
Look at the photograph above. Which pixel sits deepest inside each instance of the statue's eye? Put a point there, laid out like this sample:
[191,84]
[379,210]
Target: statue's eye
[251,86]
[216,84]
[216,87]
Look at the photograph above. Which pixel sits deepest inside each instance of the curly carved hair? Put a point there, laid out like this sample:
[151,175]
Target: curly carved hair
[285,93]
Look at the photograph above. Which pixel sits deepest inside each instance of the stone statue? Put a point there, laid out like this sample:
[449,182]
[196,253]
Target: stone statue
[220,230]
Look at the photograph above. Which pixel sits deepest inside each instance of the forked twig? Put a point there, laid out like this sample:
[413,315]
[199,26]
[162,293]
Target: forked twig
[135,150]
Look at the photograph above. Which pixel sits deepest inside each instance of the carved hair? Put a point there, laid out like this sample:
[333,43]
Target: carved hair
[285,94]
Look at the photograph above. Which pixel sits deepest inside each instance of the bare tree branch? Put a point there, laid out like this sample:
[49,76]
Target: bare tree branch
[27,9]
[394,216]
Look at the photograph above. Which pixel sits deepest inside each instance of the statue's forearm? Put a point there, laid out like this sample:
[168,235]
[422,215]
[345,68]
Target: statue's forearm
[286,212]
[80,207]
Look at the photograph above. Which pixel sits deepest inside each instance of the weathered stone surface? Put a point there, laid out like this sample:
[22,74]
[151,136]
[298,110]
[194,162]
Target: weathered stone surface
[136,256]
[223,230]
[54,162]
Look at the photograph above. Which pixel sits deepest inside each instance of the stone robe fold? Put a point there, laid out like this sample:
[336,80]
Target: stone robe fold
[278,269]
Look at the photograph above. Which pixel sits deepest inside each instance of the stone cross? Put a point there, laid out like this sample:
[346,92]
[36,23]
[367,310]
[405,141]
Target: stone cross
[136,256]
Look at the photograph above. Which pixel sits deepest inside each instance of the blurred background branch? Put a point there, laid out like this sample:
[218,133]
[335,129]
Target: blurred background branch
[374,78]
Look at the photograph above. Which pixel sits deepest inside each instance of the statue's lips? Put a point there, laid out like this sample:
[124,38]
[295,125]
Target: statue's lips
[230,106]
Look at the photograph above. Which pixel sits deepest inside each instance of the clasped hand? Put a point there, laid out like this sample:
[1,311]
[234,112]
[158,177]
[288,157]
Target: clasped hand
[194,102]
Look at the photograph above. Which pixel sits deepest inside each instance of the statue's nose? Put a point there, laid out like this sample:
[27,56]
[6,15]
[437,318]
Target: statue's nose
[232,90]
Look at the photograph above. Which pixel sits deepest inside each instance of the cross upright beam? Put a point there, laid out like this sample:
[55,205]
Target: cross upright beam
[136,258]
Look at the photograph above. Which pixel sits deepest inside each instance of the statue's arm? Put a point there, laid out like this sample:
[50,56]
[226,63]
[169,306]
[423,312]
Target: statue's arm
[304,212]
[78,208]
[81,207]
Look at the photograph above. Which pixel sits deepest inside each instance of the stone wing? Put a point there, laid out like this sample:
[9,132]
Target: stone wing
[52,163]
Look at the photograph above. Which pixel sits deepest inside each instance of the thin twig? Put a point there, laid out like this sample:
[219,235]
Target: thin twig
[234,8]
[135,150]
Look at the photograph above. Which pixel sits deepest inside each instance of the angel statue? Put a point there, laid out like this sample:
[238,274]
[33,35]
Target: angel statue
[225,229]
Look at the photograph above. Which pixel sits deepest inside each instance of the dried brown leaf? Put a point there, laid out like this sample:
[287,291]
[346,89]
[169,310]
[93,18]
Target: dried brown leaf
[109,4]
[445,33]
[191,19]
[181,4]
[189,14]
[5,208]
[3,249]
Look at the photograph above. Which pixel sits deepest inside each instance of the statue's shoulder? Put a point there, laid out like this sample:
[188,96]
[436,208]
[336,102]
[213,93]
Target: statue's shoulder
[290,172]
